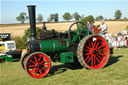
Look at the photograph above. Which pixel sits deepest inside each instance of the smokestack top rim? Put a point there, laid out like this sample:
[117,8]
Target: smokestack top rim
[31,6]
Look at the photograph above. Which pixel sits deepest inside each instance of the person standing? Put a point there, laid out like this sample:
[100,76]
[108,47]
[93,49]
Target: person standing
[90,27]
[103,27]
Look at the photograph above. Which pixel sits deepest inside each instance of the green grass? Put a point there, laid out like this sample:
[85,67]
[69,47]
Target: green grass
[115,73]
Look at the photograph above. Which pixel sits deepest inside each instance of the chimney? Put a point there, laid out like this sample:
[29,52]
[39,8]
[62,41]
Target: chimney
[32,20]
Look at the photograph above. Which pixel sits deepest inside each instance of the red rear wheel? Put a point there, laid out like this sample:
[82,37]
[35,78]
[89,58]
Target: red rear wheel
[37,65]
[93,52]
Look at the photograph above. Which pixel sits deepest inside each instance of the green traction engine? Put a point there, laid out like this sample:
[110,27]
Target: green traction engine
[75,45]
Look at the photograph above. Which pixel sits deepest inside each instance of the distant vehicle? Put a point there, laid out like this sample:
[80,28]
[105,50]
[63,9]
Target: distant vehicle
[6,46]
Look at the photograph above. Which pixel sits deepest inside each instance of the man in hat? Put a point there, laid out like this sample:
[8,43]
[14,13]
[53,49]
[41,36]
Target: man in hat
[103,27]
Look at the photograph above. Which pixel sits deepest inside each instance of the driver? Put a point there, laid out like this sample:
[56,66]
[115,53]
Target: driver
[90,27]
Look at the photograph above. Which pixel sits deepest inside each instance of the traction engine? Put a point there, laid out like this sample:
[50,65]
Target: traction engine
[75,45]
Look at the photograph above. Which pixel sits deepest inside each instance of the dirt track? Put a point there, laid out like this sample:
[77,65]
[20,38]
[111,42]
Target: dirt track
[113,27]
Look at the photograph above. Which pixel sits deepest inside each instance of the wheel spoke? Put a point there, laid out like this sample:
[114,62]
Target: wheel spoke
[45,64]
[79,38]
[75,38]
[99,57]
[35,59]
[92,45]
[92,62]
[86,58]
[31,66]
[89,44]
[40,71]
[101,46]
[87,47]
[39,58]
[87,54]
[32,61]
[82,30]
[97,44]
[44,69]
[101,54]
[31,71]
[36,70]
[77,27]
[86,50]
[42,61]
[98,60]
[89,59]
[101,50]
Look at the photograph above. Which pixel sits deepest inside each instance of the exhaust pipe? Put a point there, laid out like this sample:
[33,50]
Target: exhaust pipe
[32,20]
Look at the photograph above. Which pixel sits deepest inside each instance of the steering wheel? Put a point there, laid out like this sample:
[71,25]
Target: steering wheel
[80,31]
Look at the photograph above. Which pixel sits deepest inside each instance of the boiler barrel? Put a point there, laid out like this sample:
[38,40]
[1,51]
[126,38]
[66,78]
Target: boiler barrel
[52,46]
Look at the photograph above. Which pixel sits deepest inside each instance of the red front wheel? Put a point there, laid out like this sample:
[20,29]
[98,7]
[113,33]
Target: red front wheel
[93,52]
[37,65]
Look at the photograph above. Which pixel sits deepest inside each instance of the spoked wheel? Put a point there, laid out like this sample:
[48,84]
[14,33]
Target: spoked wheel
[77,31]
[23,58]
[93,52]
[37,65]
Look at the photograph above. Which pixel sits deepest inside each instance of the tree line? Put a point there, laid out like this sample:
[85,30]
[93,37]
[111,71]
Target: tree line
[66,16]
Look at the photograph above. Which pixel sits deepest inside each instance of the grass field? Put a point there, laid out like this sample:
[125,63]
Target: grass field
[18,29]
[115,73]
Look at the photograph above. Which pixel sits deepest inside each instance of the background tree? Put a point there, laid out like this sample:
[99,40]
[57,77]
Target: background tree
[40,18]
[118,14]
[27,33]
[51,17]
[76,16]
[125,18]
[105,19]
[22,17]
[67,16]
[56,17]
[20,43]
[99,17]
[82,16]
[87,18]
